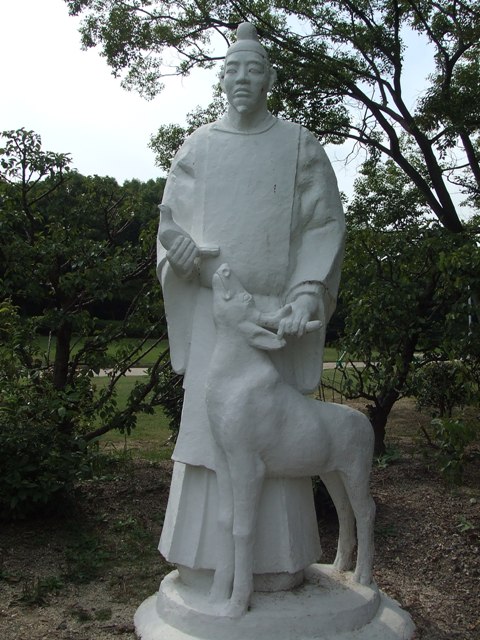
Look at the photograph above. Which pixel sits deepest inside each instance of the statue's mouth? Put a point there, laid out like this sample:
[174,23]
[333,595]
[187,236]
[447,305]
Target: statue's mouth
[217,281]
[220,277]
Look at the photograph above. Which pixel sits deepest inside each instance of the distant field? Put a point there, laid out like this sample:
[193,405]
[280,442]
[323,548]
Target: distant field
[330,354]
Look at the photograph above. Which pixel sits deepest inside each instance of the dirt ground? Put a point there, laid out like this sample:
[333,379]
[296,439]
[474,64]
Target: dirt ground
[82,574]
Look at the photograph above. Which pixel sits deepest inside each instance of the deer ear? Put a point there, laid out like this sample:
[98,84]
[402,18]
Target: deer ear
[260,338]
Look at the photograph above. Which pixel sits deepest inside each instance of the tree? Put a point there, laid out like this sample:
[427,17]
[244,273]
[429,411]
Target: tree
[341,68]
[403,294]
[342,74]
[71,245]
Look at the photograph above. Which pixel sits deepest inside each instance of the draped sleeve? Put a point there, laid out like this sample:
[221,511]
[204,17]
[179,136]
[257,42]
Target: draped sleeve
[316,254]
[318,226]
[180,295]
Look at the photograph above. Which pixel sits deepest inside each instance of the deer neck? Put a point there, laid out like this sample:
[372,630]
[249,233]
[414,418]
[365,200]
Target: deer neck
[234,357]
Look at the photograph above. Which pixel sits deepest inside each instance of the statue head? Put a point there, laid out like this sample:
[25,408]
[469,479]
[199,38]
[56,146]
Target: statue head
[247,75]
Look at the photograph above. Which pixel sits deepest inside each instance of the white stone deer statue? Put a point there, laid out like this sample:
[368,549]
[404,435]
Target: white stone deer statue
[264,427]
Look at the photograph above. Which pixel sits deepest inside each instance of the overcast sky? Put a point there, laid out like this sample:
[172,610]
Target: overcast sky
[71,99]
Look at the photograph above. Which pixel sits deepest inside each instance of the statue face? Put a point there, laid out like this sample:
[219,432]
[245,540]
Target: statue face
[246,80]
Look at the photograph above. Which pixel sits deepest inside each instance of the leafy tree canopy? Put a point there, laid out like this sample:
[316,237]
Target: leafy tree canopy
[406,292]
[341,66]
[69,245]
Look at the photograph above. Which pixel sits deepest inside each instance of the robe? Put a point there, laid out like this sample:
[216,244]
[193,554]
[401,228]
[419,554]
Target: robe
[269,200]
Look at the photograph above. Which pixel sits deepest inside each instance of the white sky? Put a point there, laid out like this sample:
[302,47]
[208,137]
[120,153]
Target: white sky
[70,98]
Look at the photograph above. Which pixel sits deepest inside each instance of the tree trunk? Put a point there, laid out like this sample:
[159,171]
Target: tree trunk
[62,355]
[60,370]
[378,415]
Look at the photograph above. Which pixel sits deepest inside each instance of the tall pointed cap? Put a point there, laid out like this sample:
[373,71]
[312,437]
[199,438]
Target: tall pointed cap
[247,40]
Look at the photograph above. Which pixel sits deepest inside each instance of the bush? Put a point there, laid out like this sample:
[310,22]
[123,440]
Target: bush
[38,461]
[450,439]
[39,464]
[170,397]
[441,386]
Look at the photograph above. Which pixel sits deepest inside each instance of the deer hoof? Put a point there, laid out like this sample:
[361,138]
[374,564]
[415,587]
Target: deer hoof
[219,594]
[342,563]
[233,609]
[363,577]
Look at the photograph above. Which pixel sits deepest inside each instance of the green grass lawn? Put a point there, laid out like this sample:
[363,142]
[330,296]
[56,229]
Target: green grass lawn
[330,354]
[150,438]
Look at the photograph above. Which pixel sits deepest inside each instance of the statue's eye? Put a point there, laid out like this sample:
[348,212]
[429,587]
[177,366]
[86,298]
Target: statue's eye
[247,297]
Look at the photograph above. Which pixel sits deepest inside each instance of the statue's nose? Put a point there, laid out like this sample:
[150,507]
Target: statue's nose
[242,76]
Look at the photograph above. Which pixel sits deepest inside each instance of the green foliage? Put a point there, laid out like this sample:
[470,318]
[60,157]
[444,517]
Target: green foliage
[39,463]
[450,439]
[442,386]
[464,525]
[409,295]
[39,466]
[170,397]
[104,463]
[169,138]
[70,246]
[342,73]
[386,459]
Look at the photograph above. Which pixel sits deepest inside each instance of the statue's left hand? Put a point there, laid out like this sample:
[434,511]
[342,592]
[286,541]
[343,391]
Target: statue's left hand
[302,310]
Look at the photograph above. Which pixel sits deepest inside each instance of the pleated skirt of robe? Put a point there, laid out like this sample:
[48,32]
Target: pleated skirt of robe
[286,538]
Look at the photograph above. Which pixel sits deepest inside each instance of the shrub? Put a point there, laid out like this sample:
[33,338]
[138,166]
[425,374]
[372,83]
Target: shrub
[441,386]
[38,463]
[38,460]
[450,439]
[170,397]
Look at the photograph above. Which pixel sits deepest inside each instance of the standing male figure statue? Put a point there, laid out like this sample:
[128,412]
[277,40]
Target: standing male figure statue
[263,191]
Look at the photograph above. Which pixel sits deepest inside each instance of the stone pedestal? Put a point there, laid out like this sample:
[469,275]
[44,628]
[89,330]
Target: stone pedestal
[328,606]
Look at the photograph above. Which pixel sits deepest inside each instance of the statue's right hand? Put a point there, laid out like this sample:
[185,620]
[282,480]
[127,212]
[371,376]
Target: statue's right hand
[182,256]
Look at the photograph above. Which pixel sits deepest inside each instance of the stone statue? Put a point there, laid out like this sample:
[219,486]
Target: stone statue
[264,192]
[278,432]
[252,201]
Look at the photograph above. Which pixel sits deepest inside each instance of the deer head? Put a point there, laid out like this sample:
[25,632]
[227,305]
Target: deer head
[234,308]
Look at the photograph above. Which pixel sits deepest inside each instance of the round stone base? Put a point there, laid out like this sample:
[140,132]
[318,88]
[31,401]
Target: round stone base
[328,606]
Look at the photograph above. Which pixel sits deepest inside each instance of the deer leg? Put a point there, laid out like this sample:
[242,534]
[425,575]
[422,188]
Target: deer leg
[223,577]
[247,473]
[357,486]
[346,520]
